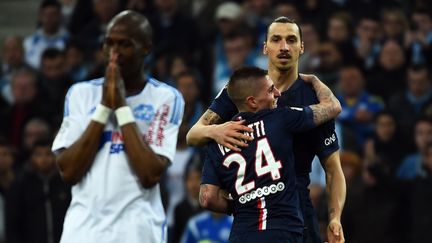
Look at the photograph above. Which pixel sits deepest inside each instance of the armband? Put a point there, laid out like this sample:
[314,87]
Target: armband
[124,115]
[101,114]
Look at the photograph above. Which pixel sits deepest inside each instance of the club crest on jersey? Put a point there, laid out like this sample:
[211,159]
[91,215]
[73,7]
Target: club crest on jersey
[144,112]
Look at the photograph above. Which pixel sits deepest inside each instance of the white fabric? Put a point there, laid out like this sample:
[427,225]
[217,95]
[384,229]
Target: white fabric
[109,204]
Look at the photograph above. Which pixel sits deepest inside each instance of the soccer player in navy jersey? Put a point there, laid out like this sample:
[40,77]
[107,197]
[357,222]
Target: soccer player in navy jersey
[261,178]
[283,48]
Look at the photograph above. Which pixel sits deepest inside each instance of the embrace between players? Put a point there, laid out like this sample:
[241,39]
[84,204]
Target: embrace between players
[258,162]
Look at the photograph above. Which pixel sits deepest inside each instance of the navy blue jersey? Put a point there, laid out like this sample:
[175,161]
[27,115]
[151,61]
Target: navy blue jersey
[261,178]
[321,141]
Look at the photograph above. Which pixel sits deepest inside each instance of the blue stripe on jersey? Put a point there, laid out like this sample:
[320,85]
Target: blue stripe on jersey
[163,231]
[178,102]
[96,82]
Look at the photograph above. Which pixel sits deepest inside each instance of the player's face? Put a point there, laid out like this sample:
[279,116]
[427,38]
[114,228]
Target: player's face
[120,40]
[283,46]
[267,95]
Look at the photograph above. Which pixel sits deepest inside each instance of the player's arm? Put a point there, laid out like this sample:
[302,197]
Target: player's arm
[213,198]
[75,161]
[147,165]
[336,193]
[328,107]
[229,134]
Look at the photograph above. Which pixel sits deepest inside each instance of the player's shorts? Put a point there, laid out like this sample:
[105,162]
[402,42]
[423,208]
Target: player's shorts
[267,236]
[311,232]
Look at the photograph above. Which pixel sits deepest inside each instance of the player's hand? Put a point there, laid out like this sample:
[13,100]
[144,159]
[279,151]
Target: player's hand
[231,135]
[335,232]
[113,95]
[308,78]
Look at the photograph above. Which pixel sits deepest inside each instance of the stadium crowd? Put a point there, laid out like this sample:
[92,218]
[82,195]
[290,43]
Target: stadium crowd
[375,55]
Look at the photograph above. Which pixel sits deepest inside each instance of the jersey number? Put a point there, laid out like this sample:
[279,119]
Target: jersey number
[263,153]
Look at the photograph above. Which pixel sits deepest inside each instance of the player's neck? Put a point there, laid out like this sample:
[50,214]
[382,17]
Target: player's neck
[283,79]
[134,83]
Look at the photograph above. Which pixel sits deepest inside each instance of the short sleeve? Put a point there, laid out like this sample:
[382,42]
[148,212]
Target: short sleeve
[327,140]
[209,174]
[297,119]
[73,115]
[223,106]
[165,125]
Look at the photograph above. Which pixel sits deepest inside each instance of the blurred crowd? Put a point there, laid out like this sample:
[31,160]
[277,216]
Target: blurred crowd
[375,55]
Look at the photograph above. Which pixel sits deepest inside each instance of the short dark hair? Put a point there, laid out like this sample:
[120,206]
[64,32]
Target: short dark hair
[285,20]
[50,3]
[51,53]
[242,83]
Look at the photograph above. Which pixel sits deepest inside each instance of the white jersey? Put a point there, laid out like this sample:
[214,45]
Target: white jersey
[109,204]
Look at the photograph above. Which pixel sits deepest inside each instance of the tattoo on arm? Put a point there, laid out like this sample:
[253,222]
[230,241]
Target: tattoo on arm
[203,194]
[331,212]
[322,112]
[210,117]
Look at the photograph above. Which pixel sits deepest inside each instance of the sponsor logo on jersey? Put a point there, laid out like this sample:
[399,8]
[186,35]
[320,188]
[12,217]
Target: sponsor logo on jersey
[330,140]
[260,192]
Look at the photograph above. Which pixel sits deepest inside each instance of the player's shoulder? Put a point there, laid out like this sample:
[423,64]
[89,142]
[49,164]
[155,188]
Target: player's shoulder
[83,87]
[163,90]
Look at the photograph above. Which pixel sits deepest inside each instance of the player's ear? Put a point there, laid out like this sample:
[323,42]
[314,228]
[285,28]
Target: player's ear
[265,48]
[302,48]
[251,102]
[145,49]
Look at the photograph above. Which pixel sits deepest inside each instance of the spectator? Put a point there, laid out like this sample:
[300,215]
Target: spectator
[76,66]
[310,58]
[419,39]
[12,59]
[367,41]
[339,31]
[27,103]
[50,34]
[330,61]
[416,100]
[90,33]
[411,166]
[188,206]
[420,198]
[55,80]
[173,31]
[208,227]
[395,24]
[7,176]
[174,179]
[384,148]
[388,76]
[358,106]
[37,201]
[188,85]
[34,129]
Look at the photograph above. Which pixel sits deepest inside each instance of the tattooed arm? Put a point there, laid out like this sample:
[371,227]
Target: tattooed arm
[329,106]
[213,198]
[229,134]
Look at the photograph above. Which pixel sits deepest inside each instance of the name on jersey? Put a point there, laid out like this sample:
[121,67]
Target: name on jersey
[258,131]
[260,192]
[330,140]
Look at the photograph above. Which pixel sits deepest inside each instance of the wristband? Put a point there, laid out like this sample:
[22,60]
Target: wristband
[124,115]
[101,114]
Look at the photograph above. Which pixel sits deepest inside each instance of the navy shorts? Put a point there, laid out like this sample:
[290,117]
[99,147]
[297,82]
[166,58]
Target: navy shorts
[267,236]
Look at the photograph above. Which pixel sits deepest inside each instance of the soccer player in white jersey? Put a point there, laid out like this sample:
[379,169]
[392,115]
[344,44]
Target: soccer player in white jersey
[117,138]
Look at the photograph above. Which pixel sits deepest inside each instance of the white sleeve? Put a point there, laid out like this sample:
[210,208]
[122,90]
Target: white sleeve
[72,124]
[165,126]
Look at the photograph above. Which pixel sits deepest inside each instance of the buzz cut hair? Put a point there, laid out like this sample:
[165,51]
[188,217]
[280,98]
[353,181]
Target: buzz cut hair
[285,20]
[244,83]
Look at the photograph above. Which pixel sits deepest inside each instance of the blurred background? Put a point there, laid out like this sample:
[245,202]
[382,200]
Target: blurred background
[375,55]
